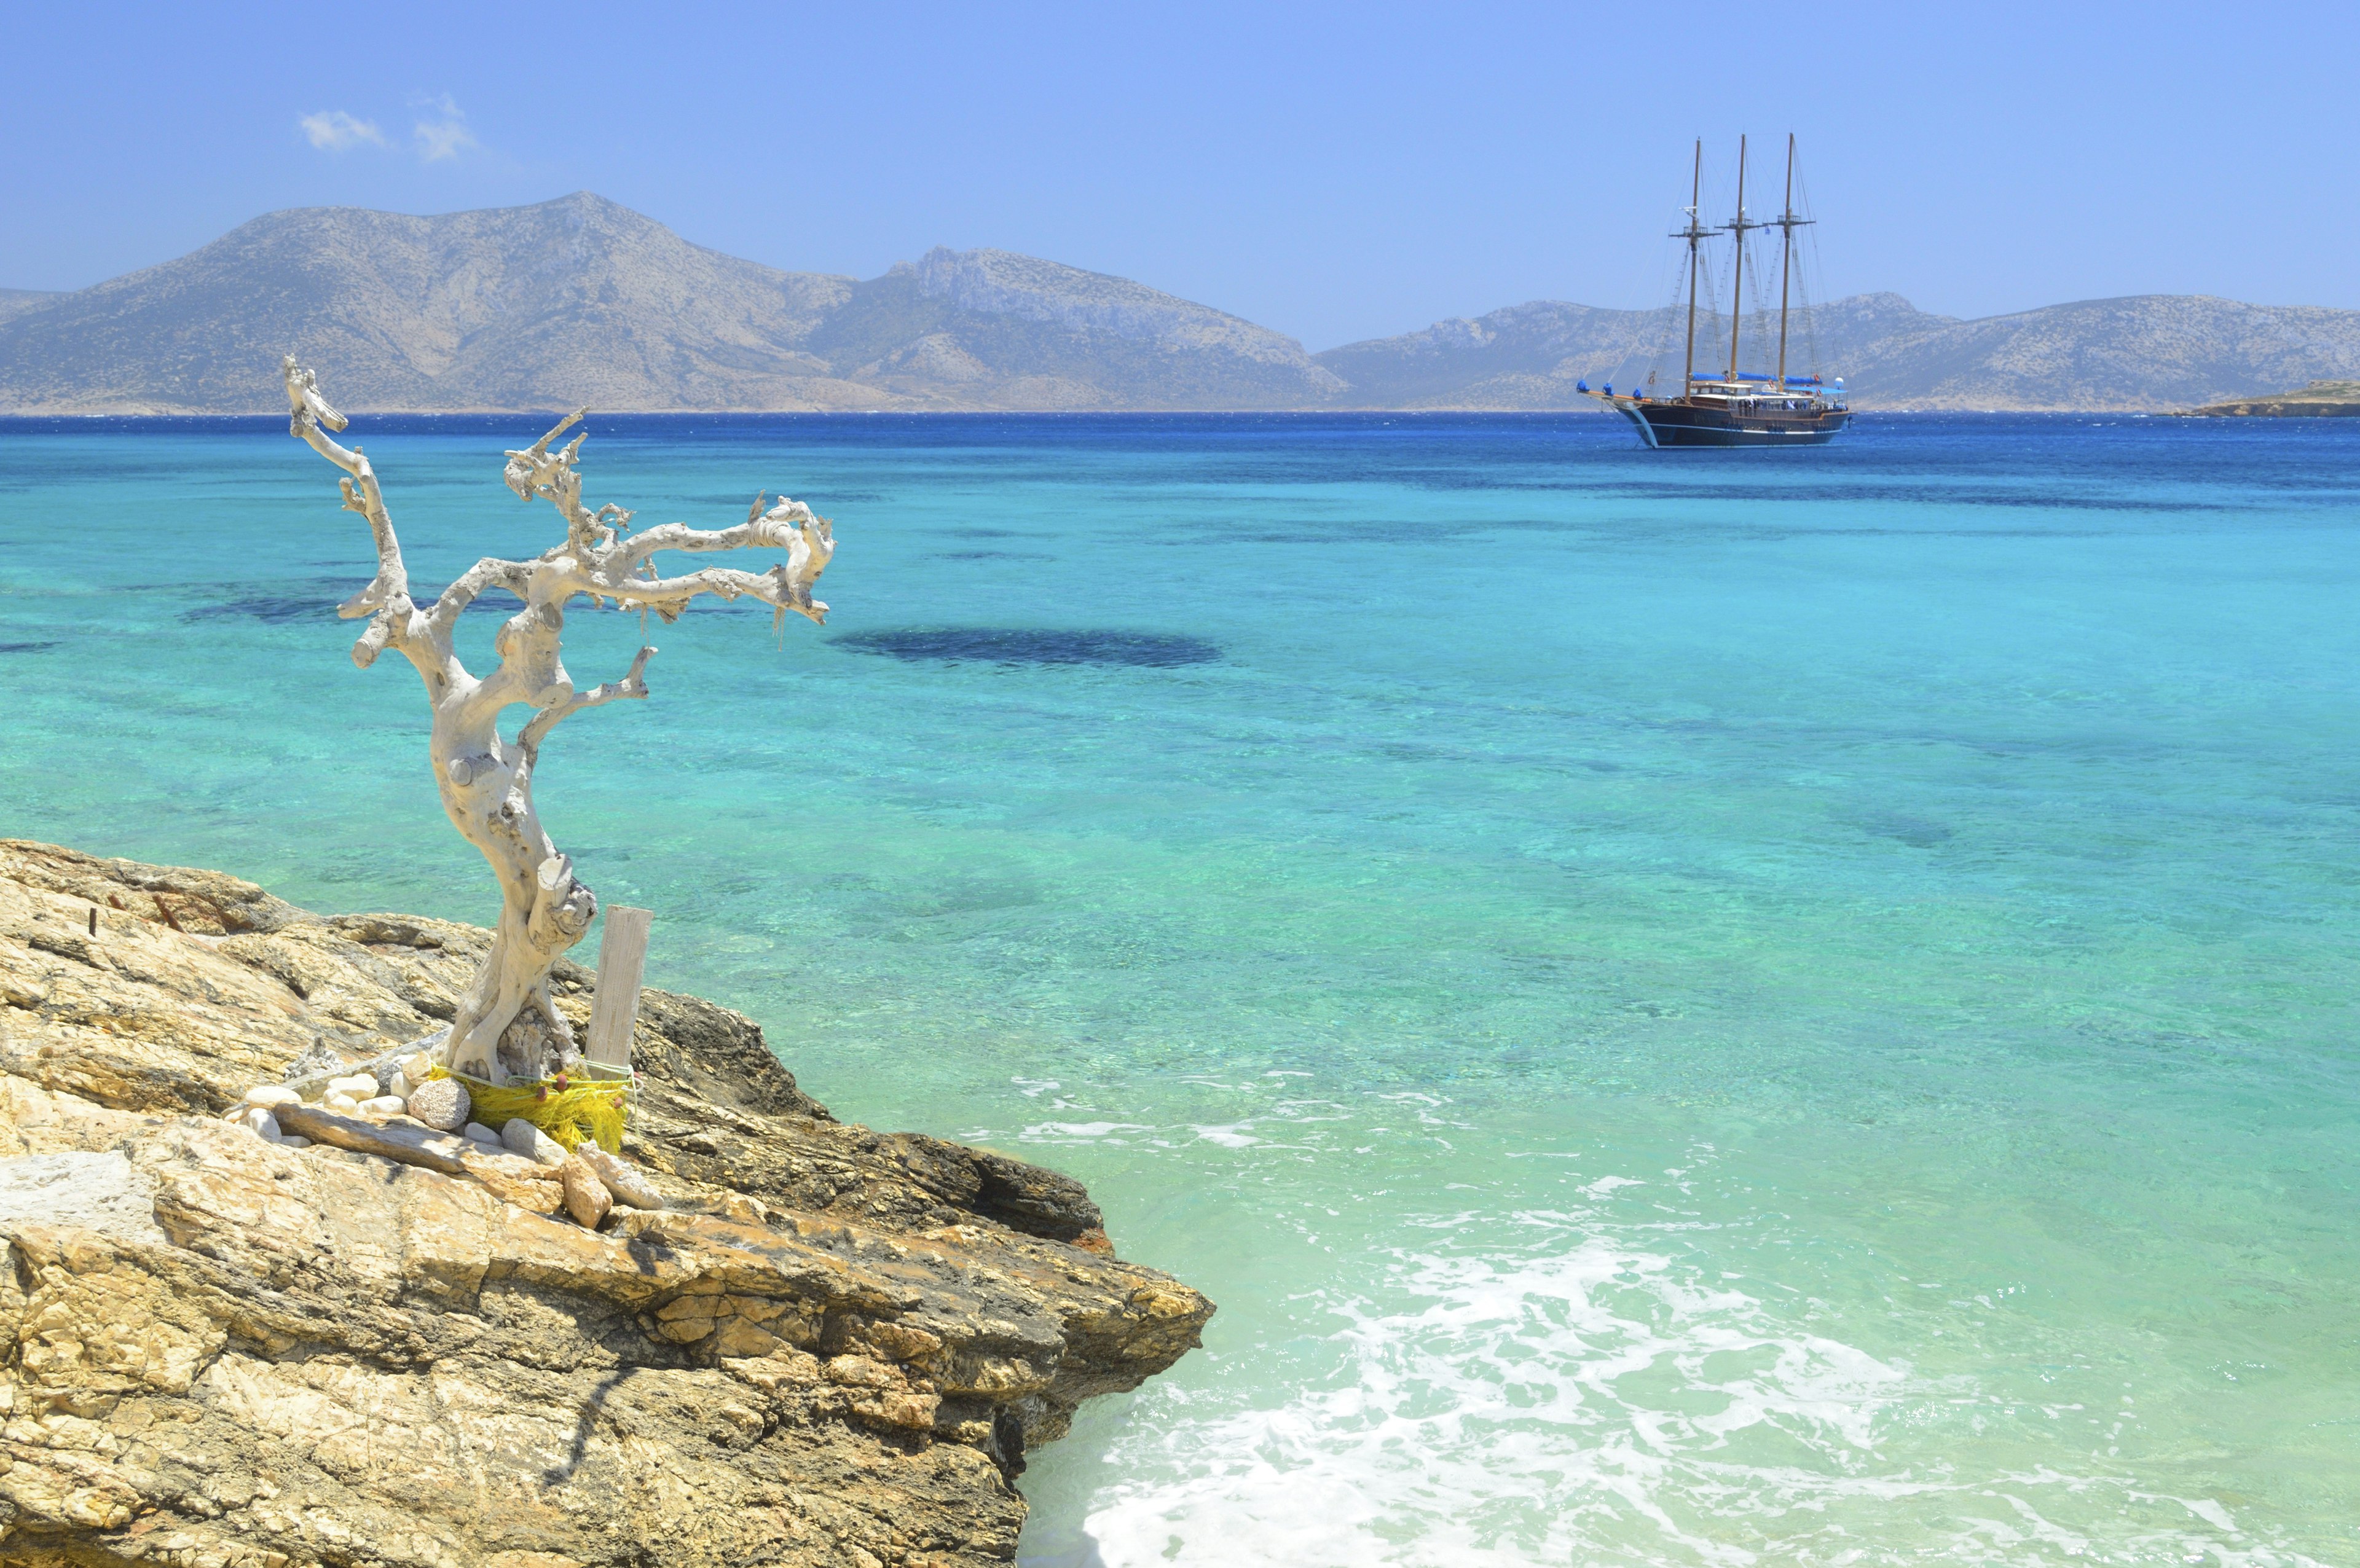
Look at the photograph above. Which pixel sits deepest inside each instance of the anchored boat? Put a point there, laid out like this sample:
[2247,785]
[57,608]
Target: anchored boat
[1737,407]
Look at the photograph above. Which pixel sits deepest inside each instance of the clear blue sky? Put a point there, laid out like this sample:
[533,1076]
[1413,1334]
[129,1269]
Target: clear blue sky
[1335,173]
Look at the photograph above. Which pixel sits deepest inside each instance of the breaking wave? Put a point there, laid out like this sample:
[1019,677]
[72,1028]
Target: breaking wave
[1579,1400]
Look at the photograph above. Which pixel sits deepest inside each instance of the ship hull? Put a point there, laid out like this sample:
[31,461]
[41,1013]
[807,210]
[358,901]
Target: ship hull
[1689,424]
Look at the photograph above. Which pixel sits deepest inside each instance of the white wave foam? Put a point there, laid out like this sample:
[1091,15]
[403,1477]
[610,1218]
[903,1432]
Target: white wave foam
[1593,1402]
[1054,1132]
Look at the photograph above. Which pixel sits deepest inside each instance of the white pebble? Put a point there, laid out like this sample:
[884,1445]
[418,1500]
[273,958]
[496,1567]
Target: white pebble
[342,1104]
[402,1085]
[478,1133]
[383,1105]
[257,1120]
[272,1095]
[522,1138]
[293,1141]
[357,1086]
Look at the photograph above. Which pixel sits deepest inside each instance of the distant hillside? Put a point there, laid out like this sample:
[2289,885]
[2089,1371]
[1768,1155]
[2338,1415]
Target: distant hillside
[13,301]
[579,301]
[2150,352]
[986,328]
[576,301]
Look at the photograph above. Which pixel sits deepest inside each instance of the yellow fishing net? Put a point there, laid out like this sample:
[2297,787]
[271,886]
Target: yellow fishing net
[594,1109]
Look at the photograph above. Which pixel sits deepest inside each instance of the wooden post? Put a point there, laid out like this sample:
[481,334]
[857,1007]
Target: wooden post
[622,958]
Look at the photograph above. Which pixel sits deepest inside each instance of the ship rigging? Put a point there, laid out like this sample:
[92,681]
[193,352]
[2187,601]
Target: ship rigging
[1737,407]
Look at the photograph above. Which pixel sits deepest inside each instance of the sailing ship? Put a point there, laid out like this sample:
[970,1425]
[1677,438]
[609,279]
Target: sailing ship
[1736,406]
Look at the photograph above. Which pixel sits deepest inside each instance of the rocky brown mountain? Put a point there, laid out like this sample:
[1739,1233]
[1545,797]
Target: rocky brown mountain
[832,1346]
[14,301]
[581,301]
[2152,352]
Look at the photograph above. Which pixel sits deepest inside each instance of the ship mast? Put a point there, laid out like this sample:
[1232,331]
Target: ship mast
[1694,234]
[1737,298]
[1789,223]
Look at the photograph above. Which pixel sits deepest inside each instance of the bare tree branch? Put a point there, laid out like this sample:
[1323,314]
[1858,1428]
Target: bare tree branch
[393,621]
[630,686]
[505,1024]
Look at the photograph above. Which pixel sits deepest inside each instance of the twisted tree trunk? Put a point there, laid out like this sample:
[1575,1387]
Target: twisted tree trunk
[507,1027]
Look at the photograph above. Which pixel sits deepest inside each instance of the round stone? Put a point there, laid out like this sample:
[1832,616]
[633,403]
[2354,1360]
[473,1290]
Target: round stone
[442,1104]
[522,1138]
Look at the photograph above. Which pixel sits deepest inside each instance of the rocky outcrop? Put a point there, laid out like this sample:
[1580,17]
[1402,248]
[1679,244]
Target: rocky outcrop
[833,1346]
[2319,401]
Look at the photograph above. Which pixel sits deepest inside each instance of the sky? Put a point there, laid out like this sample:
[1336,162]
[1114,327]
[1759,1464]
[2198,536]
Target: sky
[1334,172]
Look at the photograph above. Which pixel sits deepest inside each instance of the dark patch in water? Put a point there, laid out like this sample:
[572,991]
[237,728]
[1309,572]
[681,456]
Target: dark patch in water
[289,599]
[24,647]
[274,608]
[1009,645]
[1915,831]
[992,555]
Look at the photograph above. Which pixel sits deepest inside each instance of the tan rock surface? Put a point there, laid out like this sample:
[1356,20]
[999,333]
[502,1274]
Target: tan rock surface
[832,1349]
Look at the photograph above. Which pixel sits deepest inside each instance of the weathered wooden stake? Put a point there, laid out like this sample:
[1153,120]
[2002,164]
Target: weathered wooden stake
[622,959]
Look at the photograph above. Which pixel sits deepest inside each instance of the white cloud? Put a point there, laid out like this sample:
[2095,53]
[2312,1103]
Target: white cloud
[335,130]
[446,134]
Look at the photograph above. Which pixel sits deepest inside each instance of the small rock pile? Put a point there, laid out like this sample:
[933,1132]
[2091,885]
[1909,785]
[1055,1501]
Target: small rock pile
[394,1107]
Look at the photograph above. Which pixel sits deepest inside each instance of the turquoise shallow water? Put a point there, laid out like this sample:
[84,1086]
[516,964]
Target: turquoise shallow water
[1691,1008]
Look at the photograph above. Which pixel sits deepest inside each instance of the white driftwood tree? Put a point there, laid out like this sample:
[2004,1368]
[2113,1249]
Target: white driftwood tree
[507,1027]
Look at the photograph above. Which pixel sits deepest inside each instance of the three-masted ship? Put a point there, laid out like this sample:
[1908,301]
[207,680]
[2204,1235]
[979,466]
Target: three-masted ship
[1736,406]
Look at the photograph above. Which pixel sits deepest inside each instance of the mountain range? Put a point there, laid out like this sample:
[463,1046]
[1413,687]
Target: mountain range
[581,301]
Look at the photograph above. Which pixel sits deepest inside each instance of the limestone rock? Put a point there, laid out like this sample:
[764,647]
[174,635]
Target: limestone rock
[95,1190]
[442,1103]
[621,1178]
[392,1348]
[514,1178]
[522,1138]
[586,1198]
